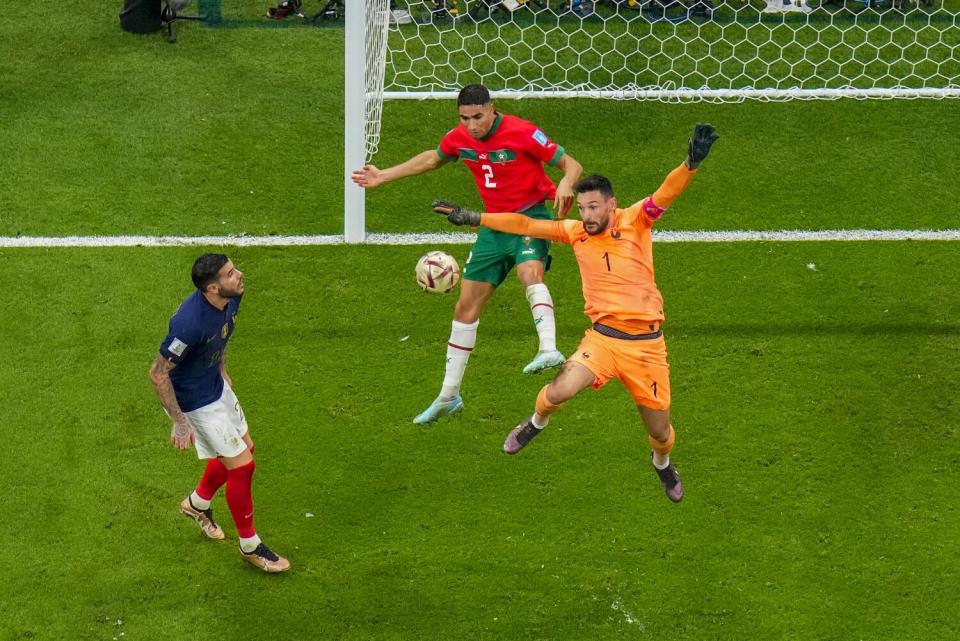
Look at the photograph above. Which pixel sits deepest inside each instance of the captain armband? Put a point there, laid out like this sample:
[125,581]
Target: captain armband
[651,209]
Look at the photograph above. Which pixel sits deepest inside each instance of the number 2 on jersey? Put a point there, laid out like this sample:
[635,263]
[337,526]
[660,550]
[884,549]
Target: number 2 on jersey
[488,176]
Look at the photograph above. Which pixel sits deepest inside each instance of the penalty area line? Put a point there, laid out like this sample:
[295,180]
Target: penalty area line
[660,236]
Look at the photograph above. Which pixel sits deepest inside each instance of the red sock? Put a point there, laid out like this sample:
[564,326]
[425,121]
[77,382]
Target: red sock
[240,498]
[214,476]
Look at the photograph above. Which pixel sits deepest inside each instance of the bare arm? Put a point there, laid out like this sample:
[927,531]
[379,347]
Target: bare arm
[571,174]
[181,434]
[223,369]
[370,177]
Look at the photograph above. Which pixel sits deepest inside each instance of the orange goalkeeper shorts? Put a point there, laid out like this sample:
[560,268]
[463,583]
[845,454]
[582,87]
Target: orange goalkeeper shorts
[640,364]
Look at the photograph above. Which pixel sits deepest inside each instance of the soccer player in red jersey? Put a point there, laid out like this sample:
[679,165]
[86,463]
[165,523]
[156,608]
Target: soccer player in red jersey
[190,378]
[506,155]
[614,250]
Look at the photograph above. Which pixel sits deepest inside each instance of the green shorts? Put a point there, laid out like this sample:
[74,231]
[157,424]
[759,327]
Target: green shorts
[495,253]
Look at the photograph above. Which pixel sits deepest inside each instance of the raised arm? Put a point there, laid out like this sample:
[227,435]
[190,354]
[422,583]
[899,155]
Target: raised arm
[511,223]
[182,433]
[571,174]
[674,185]
[677,180]
[369,176]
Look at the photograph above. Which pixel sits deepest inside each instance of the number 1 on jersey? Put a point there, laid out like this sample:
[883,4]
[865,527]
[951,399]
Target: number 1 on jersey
[488,176]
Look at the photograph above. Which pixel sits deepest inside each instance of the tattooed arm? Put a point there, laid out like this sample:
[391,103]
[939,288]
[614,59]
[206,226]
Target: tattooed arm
[181,434]
[223,369]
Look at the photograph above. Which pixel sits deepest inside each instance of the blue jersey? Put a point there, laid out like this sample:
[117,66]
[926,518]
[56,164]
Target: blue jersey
[196,343]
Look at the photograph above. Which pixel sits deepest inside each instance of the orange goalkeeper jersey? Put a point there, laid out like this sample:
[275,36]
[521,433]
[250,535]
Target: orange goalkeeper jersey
[616,266]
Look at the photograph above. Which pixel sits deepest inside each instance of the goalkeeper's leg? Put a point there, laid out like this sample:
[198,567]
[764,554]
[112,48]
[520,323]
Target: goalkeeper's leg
[568,383]
[661,437]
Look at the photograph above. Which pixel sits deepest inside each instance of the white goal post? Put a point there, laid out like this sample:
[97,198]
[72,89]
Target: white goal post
[667,50]
[365,44]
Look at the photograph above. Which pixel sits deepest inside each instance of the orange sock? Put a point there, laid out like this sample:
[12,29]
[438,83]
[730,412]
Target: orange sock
[544,408]
[663,448]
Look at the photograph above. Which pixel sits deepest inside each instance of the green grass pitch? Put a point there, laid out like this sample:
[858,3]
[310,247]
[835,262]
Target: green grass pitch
[814,384]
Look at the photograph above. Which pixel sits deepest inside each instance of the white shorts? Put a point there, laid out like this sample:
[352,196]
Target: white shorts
[220,426]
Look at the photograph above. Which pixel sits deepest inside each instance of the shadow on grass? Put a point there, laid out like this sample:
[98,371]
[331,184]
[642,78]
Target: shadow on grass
[829,328]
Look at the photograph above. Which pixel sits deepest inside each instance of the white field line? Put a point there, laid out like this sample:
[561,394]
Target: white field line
[741,236]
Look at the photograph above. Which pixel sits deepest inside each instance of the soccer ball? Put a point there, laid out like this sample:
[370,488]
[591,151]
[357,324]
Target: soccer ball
[437,272]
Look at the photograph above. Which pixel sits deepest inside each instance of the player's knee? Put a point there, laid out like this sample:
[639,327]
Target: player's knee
[532,275]
[468,308]
[558,392]
[467,312]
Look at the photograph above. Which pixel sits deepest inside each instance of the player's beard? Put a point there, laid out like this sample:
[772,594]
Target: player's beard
[232,293]
[596,227]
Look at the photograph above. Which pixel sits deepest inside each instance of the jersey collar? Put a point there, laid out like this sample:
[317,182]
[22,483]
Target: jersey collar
[213,307]
[494,126]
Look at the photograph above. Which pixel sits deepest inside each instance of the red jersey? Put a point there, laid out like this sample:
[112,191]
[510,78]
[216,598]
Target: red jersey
[507,163]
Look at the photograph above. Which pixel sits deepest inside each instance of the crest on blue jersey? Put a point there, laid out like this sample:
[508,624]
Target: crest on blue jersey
[540,137]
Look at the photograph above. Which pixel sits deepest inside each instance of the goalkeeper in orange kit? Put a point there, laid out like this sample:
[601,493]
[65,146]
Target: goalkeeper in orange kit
[614,249]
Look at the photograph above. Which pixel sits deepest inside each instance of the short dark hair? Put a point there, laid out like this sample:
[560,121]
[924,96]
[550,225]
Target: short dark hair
[205,269]
[473,95]
[596,182]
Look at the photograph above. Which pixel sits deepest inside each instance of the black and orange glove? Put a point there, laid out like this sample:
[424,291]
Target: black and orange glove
[455,214]
[698,147]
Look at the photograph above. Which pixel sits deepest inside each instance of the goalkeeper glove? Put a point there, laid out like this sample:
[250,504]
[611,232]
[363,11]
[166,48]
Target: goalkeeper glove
[699,145]
[455,214]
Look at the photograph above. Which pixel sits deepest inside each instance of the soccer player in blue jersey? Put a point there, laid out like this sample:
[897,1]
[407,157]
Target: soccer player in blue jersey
[190,377]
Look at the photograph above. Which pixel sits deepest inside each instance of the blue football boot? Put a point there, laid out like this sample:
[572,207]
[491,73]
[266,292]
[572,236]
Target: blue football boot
[544,360]
[438,409]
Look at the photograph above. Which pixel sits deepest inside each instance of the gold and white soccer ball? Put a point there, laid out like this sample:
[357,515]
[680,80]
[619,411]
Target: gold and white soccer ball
[437,272]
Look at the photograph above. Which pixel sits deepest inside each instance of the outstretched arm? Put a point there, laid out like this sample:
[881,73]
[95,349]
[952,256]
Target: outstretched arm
[525,226]
[697,149]
[369,176]
[510,223]
[674,185]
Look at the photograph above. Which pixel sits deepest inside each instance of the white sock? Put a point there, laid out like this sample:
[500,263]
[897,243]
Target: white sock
[661,461]
[538,421]
[463,338]
[249,545]
[541,305]
[199,503]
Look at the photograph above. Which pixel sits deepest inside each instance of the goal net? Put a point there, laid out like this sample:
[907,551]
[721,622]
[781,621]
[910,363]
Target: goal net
[377,22]
[677,49]
[668,50]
